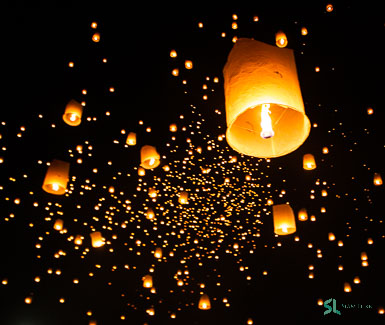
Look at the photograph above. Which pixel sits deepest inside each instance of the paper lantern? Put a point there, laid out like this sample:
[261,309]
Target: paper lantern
[309,162]
[147,281]
[73,113]
[347,287]
[331,236]
[56,177]
[183,198]
[204,302]
[264,108]
[302,215]
[188,64]
[96,37]
[284,219]
[96,239]
[304,31]
[377,179]
[158,252]
[78,240]
[173,128]
[173,54]
[141,171]
[58,225]
[149,157]
[152,192]
[280,39]
[131,139]
[150,214]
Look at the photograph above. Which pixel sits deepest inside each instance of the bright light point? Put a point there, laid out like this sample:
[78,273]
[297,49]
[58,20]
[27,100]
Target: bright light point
[284,228]
[152,161]
[55,187]
[267,129]
[72,117]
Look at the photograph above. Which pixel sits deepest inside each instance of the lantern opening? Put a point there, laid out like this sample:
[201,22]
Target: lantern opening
[267,129]
[55,187]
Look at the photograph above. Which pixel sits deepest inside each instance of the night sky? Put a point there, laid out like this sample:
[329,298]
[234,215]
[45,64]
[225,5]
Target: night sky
[221,243]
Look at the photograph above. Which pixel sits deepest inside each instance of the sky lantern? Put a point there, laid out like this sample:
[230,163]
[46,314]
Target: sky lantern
[149,157]
[302,215]
[141,171]
[150,214]
[304,31]
[280,39]
[284,219]
[131,139]
[96,239]
[147,281]
[58,225]
[204,302]
[188,64]
[173,54]
[377,179]
[309,162]
[96,37]
[329,7]
[73,113]
[265,113]
[325,150]
[173,128]
[78,240]
[152,192]
[158,252]
[183,198]
[56,177]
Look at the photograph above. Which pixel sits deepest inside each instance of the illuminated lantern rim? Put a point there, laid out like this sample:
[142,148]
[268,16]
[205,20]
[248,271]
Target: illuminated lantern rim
[73,109]
[255,74]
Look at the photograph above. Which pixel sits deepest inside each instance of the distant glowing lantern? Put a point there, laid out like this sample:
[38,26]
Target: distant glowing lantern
[188,64]
[94,25]
[147,281]
[325,150]
[152,192]
[302,215]
[183,198]
[204,302]
[264,108]
[131,139]
[280,39]
[73,113]
[173,128]
[284,219]
[141,171]
[304,31]
[175,72]
[150,214]
[364,257]
[370,111]
[356,280]
[347,287]
[377,179]
[58,225]
[96,37]
[331,236]
[329,7]
[324,193]
[149,157]
[96,239]
[309,162]
[78,240]
[56,177]
[173,54]
[158,252]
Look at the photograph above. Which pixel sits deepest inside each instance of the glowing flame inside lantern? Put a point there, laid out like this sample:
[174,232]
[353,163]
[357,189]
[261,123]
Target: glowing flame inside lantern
[152,161]
[73,117]
[55,187]
[284,228]
[267,128]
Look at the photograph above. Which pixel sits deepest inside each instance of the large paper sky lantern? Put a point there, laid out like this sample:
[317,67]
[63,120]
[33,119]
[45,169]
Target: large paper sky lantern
[73,113]
[264,108]
[56,177]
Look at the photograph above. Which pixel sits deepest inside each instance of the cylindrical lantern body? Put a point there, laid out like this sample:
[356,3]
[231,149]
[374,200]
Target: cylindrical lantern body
[149,157]
[131,139]
[56,177]
[158,252]
[58,225]
[377,179]
[147,281]
[183,198]
[284,219]
[257,75]
[204,302]
[73,113]
[280,39]
[302,215]
[309,162]
[97,239]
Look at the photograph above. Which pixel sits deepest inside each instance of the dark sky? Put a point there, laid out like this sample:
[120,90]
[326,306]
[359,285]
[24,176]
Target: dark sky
[38,42]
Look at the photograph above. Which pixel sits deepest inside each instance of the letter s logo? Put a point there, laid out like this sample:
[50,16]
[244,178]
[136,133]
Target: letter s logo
[326,305]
